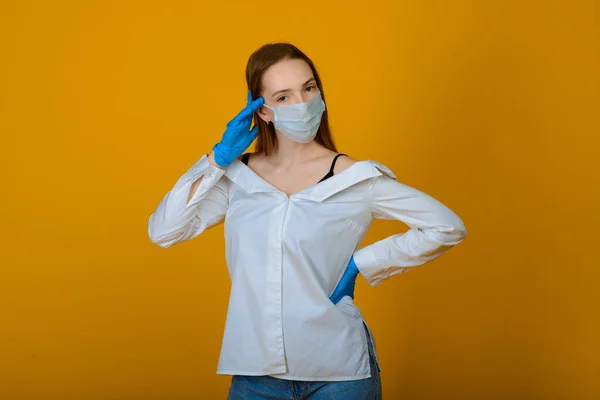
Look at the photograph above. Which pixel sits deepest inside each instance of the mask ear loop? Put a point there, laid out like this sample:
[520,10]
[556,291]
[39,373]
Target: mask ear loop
[270,108]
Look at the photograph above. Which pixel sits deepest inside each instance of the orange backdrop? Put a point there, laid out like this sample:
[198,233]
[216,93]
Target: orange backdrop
[491,107]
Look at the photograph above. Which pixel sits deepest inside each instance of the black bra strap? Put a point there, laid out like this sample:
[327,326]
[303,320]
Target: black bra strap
[333,163]
[330,173]
[245,158]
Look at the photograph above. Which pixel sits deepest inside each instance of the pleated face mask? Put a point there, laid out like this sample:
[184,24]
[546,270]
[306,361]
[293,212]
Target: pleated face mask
[299,122]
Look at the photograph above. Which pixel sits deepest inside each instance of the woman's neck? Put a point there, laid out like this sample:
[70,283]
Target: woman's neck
[288,152]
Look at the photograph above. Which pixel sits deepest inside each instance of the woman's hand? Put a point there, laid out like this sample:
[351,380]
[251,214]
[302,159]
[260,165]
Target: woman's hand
[346,285]
[238,136]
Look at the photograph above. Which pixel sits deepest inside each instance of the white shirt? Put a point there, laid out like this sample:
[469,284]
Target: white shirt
[286,254]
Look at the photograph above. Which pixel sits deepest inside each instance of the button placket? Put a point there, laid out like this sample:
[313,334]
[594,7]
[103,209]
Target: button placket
[278,290]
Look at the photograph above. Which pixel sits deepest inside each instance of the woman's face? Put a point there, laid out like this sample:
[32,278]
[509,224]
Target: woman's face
[287,82]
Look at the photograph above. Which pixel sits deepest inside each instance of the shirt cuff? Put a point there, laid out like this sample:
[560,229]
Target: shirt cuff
[369,266]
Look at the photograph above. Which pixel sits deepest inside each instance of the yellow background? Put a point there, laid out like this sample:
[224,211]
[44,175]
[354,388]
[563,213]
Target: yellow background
[492,107]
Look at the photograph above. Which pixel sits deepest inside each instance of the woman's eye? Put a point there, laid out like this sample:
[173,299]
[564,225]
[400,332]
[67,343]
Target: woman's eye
[309,88]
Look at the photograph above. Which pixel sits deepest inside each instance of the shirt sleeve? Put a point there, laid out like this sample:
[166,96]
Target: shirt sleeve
[176,220]
[434,229]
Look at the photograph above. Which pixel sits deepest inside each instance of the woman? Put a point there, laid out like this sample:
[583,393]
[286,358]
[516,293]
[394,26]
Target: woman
[294,212]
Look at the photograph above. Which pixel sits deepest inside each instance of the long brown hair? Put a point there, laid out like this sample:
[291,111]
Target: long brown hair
[258,63]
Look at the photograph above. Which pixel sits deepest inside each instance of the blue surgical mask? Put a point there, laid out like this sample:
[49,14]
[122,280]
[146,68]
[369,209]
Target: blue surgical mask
[299,122]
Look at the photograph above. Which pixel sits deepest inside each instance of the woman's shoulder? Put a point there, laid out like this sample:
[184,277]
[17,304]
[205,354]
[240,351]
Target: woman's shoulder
[346,161]
[343,161]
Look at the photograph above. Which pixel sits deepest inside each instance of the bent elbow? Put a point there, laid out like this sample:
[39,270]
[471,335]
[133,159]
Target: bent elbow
[459,232]
[156,239]
[456,230]
[161,243]
[155,233]
[449,235]
[457,235]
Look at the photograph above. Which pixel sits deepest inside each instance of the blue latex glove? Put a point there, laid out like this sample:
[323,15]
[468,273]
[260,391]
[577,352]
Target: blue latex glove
[346,285]
[238,136]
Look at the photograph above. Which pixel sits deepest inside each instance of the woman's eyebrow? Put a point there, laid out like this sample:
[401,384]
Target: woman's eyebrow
[289,90]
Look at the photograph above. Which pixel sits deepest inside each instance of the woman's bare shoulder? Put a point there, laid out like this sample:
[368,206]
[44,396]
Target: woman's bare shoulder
[343,162]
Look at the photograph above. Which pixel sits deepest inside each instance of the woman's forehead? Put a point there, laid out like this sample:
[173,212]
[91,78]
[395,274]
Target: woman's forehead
[286,74]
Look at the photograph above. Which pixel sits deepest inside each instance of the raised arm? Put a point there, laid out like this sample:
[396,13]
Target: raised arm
[200,197]
[198,201]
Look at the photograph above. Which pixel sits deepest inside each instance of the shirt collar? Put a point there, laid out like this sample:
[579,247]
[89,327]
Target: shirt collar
[243,176]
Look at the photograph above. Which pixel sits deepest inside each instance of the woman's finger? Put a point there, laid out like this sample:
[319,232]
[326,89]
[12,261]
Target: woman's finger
[251,108]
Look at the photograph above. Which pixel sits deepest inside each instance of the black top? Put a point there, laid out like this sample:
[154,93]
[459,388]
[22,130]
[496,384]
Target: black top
[246,157]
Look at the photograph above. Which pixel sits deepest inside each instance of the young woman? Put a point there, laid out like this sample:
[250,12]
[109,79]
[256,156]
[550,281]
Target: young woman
[294,212]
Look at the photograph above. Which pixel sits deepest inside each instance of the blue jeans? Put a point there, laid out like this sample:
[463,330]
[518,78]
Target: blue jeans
[266,387]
